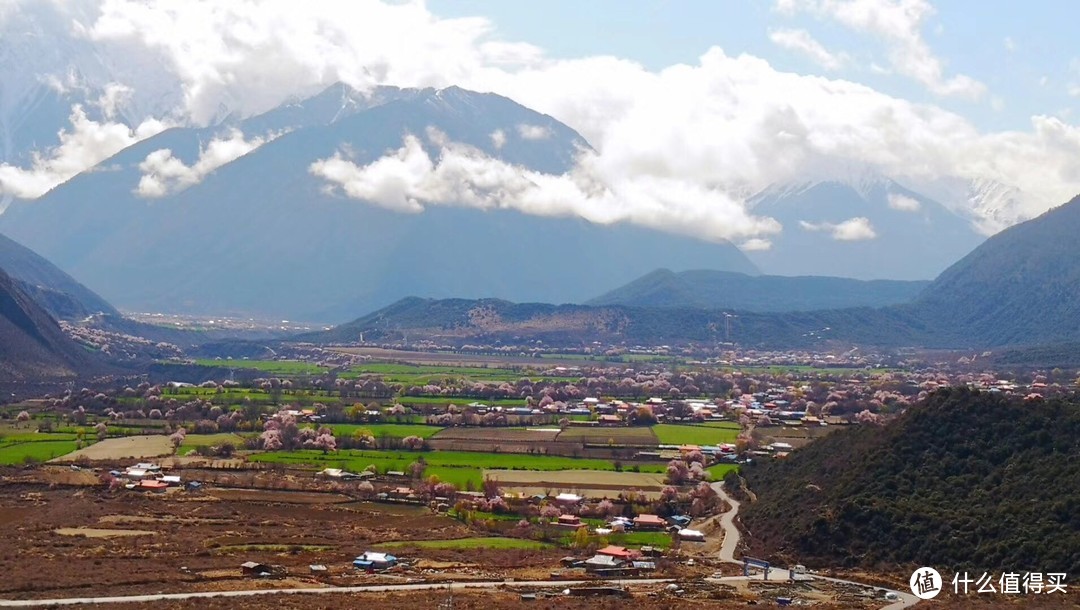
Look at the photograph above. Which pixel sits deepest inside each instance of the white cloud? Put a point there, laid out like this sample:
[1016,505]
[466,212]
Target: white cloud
[722,126]
[533,132]
[409,179]
[899,23]
[84,145]
[852,229]
[802,42]
[498,138]
[163,174]
[112,97]
[1010,44]
[756,245]
[903,203]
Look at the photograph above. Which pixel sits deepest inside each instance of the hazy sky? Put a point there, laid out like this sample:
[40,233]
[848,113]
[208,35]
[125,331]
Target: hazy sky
[691,106]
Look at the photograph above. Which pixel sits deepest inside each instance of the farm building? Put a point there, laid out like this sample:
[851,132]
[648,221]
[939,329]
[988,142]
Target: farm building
[649,522]
[151,485]
[617,552]
[257,570]
[690,535]
[610,420]
[602,562]
[375,561]
[568,498]
[572,521]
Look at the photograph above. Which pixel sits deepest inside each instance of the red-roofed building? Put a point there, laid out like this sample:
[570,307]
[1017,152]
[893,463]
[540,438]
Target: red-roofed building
[617,552]
[649,522]
[569,521]
[152,485]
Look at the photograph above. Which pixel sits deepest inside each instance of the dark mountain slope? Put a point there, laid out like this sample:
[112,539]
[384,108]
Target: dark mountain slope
[61,295]
[963,480]
[491,320]
[1021,287]
[705,289]
[33,349]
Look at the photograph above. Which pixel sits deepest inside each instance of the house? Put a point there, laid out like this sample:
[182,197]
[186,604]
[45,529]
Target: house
[151,485]
[690,535]
[318,569]
[649,522]
[375,561]
[602,562]
[679,520]
[617,552]
[171,480]
[568,498]
[572,521]
[255,569]
[610,420]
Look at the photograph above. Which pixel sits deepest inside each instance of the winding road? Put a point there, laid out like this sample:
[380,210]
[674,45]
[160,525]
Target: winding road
[731,543]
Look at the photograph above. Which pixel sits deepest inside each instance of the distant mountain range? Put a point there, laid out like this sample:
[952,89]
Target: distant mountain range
[1021,287]
[866,227]
[988,480]
[707,289]
[261,235]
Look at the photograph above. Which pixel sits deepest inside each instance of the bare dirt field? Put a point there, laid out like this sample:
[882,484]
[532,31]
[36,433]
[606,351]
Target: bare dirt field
[97,532]
[128,447]
[614,435]
[284,497]
[196,541]
[498,434]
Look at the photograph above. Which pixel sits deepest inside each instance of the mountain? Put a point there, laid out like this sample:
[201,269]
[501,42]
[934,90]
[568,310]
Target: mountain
[992,483]
[59,293]
[262,235]
[493,321]
[705,289]
[866,227]
[1021,287]
[33,348]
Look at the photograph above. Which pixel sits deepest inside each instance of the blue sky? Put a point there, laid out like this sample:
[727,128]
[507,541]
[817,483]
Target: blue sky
[1023,52]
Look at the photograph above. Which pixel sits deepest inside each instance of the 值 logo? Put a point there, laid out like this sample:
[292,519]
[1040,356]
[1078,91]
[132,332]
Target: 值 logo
[925,583]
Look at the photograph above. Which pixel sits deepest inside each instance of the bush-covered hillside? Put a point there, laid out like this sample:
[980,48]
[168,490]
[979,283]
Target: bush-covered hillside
[962,481]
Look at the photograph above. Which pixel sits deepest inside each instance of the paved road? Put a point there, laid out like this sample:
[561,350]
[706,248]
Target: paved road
[128,599]
[731,543]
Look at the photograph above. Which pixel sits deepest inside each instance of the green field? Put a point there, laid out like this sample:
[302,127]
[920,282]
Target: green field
[677,434]
[469,543]
[719,471]
[656,539]
[18,453]
[415,374]
[273,367]
[452,400]
[193,441]
[398,430]
[457,467]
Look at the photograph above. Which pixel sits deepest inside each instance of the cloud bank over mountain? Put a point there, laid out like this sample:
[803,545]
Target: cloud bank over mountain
[680,148]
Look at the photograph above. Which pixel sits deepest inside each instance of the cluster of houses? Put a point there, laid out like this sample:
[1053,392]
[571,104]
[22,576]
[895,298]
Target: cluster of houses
[676,525]
[149,477]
